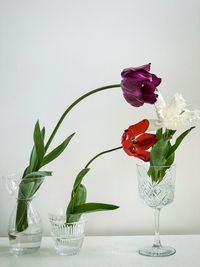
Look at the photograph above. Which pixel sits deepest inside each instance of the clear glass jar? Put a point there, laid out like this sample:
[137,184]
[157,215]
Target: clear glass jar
[68,237]
[156,193]
[25,226]
[29,240]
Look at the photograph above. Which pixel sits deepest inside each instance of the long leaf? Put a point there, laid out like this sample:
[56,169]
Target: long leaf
[178,141]
[93,207]
[159,133]
[38,142]
[56,152]
[170,159]
[25,172]
[33,160]
[33,163]
[21,216]
[78,197]
[43,132]
[79,177]
[159,152]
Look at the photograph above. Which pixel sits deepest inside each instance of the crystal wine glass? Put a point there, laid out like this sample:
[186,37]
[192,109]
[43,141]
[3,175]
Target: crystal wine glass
[156,194]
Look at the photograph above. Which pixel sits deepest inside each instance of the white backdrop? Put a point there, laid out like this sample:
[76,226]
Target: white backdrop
[51,52]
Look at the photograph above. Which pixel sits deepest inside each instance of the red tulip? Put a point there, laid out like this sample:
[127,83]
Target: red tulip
[136,142]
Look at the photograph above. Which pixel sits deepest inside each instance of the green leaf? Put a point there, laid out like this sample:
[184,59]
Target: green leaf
[38,174]
[21,216]
[159,159]
[178,141]
[168,134]
[170,160]
[78,197]
[33,160]
[159,152]
[79,177]
[93,207]
[25,172]
[56,152]
[43,132]
[38,142]
[33,163]
[171,133]
[159,133]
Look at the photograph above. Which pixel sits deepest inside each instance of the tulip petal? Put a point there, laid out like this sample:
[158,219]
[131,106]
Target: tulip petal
[143,67]
[148,93]
[132,86]
[143,155]
[160,106]
[133,100]
[155,80]
[141,75]
[175,107]
[130,71]
[154,125]
[127,144]
[150,98]
[139,128]
[145,141]
[132,151]
[131,91]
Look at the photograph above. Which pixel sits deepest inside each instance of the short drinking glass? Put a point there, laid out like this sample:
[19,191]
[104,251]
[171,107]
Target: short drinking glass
[68,237]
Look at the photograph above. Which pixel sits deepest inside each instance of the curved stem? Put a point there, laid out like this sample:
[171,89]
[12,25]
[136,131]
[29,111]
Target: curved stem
[157,242]
[98,155]
[74,104]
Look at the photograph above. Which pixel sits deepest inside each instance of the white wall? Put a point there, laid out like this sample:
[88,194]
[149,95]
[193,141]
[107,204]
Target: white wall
[51,52]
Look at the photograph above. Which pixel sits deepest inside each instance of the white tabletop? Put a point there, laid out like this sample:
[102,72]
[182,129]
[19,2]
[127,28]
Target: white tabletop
[108,251]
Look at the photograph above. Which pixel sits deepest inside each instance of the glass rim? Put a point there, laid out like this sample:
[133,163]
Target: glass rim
[155,166]
[53,216]
[83,219]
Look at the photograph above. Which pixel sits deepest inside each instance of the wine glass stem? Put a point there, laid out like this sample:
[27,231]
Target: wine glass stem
[157,242]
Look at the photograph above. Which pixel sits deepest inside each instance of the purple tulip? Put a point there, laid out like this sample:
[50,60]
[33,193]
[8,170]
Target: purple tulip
[139,85]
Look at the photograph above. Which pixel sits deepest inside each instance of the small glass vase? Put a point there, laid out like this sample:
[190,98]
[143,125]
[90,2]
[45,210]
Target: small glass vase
[156,193]
[25,226]
[68,237]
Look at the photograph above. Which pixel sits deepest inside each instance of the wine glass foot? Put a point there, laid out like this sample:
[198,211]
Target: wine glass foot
[162,251]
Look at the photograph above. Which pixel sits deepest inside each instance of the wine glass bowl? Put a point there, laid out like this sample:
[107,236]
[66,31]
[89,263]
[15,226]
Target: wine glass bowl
[156,194]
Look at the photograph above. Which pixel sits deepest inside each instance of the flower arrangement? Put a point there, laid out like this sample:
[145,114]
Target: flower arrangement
[156,180]
[139,86]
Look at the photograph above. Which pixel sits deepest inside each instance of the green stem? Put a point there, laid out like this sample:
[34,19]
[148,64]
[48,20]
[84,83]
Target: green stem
[104,152]
[74,104]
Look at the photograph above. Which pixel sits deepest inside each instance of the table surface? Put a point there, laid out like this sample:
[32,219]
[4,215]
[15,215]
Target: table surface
[108,251]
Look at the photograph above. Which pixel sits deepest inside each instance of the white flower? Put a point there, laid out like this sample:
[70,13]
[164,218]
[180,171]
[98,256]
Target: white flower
[172,115]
